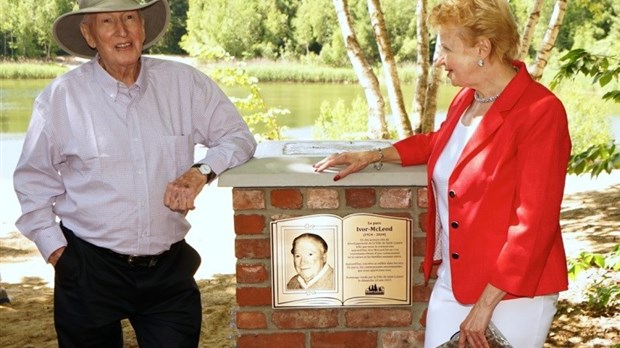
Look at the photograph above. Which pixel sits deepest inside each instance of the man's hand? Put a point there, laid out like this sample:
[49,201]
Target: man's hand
[55,256]
[181,193]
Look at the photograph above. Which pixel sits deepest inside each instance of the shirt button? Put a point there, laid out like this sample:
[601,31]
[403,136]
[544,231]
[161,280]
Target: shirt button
[455,256]
[452,194]
[454,224]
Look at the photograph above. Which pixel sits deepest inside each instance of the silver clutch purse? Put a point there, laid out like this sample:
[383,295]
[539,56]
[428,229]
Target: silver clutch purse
[495,338]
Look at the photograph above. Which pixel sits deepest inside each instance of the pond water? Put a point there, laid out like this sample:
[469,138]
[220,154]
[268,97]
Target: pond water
[302,100]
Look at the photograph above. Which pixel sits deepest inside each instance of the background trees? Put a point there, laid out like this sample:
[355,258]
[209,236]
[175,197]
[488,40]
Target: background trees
[308,31]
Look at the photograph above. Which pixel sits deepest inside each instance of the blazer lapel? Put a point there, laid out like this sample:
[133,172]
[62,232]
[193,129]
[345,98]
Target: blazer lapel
[495,116]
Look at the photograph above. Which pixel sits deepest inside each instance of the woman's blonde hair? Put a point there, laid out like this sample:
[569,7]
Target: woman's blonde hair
[491,19]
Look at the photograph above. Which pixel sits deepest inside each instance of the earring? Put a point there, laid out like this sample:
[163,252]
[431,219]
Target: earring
[481,62]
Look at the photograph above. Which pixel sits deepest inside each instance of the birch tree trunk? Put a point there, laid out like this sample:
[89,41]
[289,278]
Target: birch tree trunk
[528,31]
[432,89]
[422,63]
[395,94]
[377,126]
[551,34]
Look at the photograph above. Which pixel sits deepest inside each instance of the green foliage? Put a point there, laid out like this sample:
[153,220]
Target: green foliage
[170,42]
[588,119]
[293,29]
[30,70]
[596,159]
[601,155]
[603,292]
[602,70]
[263,121]
[244,29]
[26,31]
[575,32]
[609,261]
[297,72]
[341,122]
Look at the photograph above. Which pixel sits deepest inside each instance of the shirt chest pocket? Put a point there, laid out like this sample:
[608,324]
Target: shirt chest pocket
[177,149]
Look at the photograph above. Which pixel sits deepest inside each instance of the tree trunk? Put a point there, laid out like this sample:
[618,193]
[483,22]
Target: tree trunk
[549,40]
[528,31]
[377,126]
[395,94]
[432,89]
[422,62]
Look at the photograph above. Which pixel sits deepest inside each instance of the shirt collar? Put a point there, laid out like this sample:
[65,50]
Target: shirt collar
[111,86]
[315,279]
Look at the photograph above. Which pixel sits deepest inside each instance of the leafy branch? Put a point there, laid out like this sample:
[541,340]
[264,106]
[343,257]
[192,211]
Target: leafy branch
[602,69]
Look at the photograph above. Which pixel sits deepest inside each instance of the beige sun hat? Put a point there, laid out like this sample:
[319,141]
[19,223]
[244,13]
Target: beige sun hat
[66,29]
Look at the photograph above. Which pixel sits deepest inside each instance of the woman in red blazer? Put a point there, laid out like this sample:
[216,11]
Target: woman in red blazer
[496,172]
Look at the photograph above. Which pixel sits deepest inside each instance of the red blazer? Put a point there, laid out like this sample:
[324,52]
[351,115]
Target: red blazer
[505,193]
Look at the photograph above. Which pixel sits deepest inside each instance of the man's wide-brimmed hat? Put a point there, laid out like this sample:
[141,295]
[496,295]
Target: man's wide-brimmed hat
[66,29]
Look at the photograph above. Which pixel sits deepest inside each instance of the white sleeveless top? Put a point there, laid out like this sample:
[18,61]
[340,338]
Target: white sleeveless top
[441,175]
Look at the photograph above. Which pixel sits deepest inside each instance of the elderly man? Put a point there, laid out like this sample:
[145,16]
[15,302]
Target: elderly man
[107,175]
[310,260]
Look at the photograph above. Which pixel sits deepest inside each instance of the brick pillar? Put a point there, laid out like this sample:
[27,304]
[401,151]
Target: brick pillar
[259,325]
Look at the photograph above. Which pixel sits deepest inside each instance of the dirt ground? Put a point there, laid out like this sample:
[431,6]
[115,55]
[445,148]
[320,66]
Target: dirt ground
[590,220]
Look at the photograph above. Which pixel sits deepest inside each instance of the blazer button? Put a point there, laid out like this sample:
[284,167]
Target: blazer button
[452,194]
[455,256]
[454,224]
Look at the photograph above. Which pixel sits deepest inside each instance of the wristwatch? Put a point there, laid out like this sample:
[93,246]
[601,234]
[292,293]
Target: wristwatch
[205,170]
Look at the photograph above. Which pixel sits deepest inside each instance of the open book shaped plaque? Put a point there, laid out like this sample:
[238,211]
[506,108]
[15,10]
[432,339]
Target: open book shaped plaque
[368,261]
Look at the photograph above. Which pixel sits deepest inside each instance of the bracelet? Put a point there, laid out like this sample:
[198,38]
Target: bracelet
[379,164]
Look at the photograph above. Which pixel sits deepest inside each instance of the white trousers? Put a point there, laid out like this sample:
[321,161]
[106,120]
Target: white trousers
[525,322]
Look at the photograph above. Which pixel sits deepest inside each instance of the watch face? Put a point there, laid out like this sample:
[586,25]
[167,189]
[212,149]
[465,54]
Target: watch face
[205,169]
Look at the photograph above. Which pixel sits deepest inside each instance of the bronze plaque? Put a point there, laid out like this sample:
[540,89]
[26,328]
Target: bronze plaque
[325,260]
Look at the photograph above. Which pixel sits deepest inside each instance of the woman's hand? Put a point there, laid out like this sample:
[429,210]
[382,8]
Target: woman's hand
[475,325]
[354,161]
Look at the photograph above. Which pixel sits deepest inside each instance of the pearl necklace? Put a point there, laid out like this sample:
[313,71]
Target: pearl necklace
[480,99]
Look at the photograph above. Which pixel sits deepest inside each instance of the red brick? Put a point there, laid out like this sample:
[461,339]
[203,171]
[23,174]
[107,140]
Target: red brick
[339,339]
[395,198]
[305,319]
[419,246]
[252,248]
[422,219]
[252,296]
[360,197]
[251,320]
[287,199]
[378,317]
[423,317]
[248,199]
[323,199]
[421,293]
[277,340]
[249,224]
[422,197]
[251,273]
[433,270]
[402,339]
